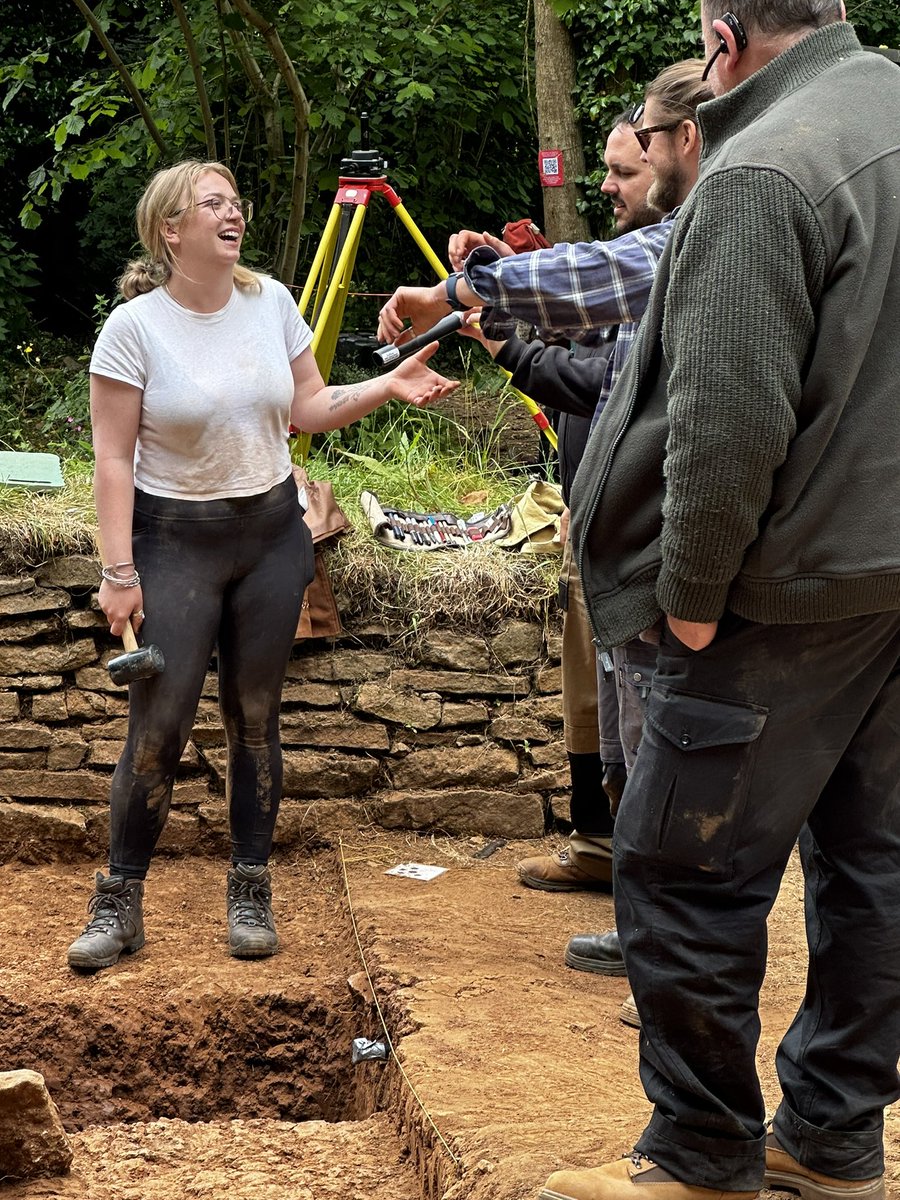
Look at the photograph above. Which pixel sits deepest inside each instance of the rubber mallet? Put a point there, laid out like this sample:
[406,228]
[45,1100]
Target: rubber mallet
[138,662]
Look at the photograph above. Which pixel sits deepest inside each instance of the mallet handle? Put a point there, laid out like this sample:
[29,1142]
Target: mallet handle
[129,641]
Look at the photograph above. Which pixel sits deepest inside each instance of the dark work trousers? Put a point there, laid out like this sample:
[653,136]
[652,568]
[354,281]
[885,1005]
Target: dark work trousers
[225,576]
[767,728]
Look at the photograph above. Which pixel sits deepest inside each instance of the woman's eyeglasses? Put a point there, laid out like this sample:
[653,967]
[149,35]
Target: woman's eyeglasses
[222,207]
[644,135]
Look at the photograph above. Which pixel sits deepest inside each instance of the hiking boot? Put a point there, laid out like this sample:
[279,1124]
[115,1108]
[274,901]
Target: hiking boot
[628,1013]
[116,925]
[251,925]
[632,1178]
[597,952]
[560,873]
[782,1171]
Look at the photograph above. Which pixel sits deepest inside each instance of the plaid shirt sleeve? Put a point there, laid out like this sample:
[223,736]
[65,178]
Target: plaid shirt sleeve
[572,286]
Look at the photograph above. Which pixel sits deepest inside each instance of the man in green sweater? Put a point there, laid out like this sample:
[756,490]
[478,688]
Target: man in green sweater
[740,495]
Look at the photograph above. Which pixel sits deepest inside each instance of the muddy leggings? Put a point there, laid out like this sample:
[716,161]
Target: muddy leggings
[224,577]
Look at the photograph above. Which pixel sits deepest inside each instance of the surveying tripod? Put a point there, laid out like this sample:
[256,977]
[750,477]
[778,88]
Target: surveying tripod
[362,177]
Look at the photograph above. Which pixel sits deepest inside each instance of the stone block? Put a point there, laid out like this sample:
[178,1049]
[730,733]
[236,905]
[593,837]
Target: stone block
[548,680]
[340,730]
[9,706]
[313,695]
[86,618]
[307,825]
[182,832]
[24,736]
[84,705]
[78,572]
[459,683]
[49,707]
[104,753]
[40,833]
[10,585]
[53,785]
[33,1143]
[547,709]
[459,652]
[466,812]
[34,683]
[518,729]
[37,600]
[453,716]
[29,631]
[341,666]
[310,774]
[405,708]
[20,760]
[114,730]
[553,756]
[67,752]
[518,642]
[486,765]
[96,679]
[546,781]
[33,660]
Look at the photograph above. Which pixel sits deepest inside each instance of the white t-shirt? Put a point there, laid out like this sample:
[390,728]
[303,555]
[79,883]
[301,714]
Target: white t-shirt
[217,389]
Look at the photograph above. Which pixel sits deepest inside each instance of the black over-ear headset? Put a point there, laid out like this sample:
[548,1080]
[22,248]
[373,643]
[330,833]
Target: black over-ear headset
[740,39]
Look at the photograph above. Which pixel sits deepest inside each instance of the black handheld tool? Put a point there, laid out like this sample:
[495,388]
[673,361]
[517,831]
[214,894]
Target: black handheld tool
[389,356]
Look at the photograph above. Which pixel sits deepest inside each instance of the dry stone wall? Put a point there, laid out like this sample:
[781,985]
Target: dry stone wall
[443,731]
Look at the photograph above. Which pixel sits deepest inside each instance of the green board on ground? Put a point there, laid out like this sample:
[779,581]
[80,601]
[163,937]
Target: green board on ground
[36,471]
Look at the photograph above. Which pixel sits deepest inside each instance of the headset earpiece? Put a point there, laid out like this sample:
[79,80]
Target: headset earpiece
[737,29]
[737,32]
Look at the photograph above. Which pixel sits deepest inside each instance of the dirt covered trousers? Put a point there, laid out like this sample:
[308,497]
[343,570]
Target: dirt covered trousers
[768,728]
[223,576]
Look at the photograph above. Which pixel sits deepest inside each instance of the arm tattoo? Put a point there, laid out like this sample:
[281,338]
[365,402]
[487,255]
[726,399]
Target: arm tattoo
[346,395]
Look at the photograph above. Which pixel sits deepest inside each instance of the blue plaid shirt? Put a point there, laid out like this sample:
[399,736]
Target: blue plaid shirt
[572,290]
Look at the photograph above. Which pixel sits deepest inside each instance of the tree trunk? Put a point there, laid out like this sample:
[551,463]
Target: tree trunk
[554,68]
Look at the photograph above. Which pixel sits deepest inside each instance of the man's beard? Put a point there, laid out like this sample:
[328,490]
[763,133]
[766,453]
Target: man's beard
[665,192]
[639,217]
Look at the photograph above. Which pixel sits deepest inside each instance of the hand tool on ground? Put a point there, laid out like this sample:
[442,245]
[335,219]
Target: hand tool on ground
[138,662]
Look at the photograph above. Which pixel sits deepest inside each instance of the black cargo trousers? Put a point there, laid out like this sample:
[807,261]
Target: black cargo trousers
[769,729]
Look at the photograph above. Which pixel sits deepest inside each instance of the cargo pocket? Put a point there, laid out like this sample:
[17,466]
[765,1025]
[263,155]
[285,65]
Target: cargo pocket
[689,786]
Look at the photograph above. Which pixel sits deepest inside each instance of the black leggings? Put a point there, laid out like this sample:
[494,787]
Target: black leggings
[223,575]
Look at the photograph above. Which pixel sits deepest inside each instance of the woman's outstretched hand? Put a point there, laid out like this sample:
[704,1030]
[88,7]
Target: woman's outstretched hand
[416,383]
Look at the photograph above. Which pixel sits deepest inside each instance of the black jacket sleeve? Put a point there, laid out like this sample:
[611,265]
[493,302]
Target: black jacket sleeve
[568,380]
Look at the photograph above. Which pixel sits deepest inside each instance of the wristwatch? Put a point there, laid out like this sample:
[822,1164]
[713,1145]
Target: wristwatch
[451,281]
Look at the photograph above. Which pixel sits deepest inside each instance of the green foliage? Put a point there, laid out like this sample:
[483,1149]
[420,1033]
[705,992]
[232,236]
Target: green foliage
[44,402]
[17,278]
[877,22]
[443,87]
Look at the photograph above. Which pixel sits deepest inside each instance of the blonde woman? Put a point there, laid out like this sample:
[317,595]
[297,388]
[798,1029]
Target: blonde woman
[194,382]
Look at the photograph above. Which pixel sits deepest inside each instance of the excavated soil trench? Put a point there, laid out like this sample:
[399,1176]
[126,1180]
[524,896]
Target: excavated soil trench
[183,1073]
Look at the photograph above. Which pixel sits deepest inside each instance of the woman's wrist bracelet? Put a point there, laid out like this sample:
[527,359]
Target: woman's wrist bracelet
[109,574]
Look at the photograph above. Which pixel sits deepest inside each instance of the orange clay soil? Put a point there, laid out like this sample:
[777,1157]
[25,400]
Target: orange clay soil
[184,1073]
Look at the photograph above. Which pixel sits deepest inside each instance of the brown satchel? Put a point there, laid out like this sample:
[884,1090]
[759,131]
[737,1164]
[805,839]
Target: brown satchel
[324,517]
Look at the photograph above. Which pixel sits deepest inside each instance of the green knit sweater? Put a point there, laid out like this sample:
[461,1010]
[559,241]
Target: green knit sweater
[748,458]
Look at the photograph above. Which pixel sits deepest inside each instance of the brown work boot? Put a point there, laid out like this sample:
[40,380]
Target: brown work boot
[632,1178]
[782,1171]
[628,1013]
[560,873]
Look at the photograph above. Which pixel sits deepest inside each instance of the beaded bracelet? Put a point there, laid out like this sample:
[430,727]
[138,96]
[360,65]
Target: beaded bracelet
[109,574]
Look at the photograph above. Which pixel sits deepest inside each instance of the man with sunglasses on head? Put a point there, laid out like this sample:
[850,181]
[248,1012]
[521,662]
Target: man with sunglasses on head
[741,494]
